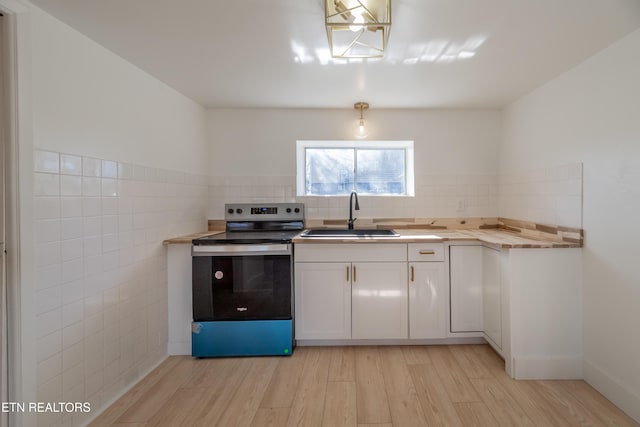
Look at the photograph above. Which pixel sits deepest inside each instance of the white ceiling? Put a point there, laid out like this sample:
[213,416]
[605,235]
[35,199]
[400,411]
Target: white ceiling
[259,53]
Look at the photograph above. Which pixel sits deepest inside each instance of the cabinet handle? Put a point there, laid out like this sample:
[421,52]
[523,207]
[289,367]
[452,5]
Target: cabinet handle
[354,273]
[412,274]
[427,252]
[348,273]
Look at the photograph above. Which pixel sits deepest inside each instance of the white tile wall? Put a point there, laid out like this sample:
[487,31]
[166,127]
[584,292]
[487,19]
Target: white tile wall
[101,300]
[47,161]
[436,196]
[70,165]
[551,195]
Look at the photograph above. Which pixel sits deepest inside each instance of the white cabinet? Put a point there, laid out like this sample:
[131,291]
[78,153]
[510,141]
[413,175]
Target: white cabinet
[492,295]
[476,291]
[427,291]
[345,291]
[466,288]
[542,313]
[179,297]
[525,302]
[427,300]
[323,300]
[379,300]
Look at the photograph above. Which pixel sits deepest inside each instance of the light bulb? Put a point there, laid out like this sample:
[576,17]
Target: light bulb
[361,132]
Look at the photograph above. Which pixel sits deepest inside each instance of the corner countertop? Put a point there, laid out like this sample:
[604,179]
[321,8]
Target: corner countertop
[494,237]
[189,237]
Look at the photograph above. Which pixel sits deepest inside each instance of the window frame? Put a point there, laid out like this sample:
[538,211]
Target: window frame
[407,146]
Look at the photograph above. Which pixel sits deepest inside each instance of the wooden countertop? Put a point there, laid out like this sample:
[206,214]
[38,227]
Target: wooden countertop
[509,239]
[188,238]
[494,237]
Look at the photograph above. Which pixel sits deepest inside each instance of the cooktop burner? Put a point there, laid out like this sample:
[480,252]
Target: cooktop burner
[247,238]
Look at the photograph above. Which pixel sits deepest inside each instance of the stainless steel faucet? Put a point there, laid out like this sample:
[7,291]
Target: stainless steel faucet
[351,218]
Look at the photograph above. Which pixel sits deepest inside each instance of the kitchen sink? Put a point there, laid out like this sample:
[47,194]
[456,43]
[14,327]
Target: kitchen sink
[343,232]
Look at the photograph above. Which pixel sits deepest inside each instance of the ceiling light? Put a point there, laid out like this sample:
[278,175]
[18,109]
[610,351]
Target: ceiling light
[358,28]
[358,21]
[361,132]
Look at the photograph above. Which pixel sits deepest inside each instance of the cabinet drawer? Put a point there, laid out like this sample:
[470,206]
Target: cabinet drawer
[426,252]
[351,252]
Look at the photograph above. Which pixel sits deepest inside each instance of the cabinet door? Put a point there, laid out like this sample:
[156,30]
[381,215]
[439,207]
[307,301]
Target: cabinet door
[379,300]
[427,300]
[323,300]
[491,295]
[466,288]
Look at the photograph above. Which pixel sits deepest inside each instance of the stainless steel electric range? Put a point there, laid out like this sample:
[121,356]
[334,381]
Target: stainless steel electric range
[243,282]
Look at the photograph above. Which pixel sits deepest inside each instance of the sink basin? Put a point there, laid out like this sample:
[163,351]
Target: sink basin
[343,232]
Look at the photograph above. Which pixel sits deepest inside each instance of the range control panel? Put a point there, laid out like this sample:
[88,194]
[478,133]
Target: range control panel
[264,212]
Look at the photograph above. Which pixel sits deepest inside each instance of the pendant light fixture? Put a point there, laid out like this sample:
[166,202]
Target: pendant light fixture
[357,28]
[361,132]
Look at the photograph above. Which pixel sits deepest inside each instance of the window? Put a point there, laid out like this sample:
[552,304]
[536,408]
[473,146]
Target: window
[332,168]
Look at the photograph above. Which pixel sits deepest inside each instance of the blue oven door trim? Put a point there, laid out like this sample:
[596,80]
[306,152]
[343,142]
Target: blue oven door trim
[242,338]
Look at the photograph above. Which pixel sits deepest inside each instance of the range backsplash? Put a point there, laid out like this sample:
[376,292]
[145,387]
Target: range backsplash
[551,195]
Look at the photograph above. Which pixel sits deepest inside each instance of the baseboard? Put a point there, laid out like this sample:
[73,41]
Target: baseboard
[440,341]
[493,345]
[547,368]
[96,414]
[613,389]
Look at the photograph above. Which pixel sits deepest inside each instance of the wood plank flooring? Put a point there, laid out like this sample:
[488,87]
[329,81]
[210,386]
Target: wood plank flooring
[462,385]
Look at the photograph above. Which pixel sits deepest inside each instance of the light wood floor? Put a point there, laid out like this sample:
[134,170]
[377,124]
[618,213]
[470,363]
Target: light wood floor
[462,385]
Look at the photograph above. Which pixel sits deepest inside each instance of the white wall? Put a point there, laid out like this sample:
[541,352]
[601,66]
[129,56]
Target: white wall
[88,101]
[590,115]
[545,195]
[253,158]
[119,165]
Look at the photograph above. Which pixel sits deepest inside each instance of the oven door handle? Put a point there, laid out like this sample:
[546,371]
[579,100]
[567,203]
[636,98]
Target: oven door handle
[241,250]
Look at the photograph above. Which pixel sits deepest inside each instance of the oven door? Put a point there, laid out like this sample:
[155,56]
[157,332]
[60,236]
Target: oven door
[242,282]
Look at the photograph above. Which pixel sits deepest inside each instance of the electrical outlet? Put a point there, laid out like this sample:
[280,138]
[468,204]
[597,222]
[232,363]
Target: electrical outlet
[461,205]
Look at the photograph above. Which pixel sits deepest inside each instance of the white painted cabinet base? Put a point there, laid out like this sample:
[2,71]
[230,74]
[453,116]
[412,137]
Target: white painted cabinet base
[465,267]
[179,299]
[351,290]
[544,313]
[404,341]
[379,300]
[428,300]
[492,296]
[322,300]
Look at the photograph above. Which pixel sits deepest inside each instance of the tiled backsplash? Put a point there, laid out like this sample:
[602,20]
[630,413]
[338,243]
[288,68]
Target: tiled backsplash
[551,195]
[436,196]
[101,272]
